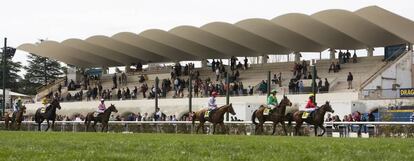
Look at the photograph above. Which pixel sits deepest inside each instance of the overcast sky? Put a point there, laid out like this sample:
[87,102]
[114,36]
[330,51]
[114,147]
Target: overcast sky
[26,21]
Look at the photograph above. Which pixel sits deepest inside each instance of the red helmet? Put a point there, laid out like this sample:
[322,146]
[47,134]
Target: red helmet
[214,94]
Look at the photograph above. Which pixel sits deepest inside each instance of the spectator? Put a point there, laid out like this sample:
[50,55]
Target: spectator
[320,85]
[338,67]
[348,56]
[301,87]
[349,80]
[309,76]
[274,80]
[114,80]
[245,63]
[250,90]
[412,117]
[141,78]
[332,67]
[326,85]
[263,87]
[354,58]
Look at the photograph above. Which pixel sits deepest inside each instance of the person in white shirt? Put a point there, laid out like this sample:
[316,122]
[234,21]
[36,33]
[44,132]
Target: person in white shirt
[212,106]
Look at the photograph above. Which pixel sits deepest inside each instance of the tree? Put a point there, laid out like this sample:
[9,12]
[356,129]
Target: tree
[42,70]
[12,78]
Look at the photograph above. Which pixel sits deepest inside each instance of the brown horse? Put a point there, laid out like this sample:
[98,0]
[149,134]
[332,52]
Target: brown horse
[215,118]
[277,116]
[317,118]
[102,118]
[15,120]
[49,114]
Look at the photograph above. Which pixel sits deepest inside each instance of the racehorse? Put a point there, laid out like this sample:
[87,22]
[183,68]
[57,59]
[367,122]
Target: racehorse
[48,114]
[102,118]
[15,119]
[277,116]
[215,118]
[316,119]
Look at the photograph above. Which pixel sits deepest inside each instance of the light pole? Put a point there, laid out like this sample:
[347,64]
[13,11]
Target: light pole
[4,75]
[314,74]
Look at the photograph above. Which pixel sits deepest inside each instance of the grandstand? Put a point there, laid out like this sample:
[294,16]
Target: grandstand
[248,38]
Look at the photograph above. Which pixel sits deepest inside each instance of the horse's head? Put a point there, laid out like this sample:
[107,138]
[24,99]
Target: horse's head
[112,108]
[55,104]
[285,101]
[327,107]
[230,109]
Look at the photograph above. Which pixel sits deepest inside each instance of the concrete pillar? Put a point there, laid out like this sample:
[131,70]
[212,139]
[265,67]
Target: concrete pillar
[264,59]
[288,58]
[127,68]
[203,63]
[320,55]
[104,70]
[297,57]
[332,54]
[410,47]
[370,52]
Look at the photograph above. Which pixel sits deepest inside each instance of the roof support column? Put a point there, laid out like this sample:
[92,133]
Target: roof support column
[287,57]
[127,68]
[332,54]
[104,70]
[264,59]
[297,57]
[410,47]
[203,63]
[370,52]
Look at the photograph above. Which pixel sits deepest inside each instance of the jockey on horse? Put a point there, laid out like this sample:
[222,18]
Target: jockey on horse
[271,102]
[17,107]
[212,106]
[310,107]
[101,107]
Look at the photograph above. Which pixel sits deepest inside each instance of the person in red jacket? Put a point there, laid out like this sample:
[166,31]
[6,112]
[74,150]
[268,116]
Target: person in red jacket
[310,107]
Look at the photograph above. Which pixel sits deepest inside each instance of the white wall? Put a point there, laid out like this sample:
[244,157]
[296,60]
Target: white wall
[397,73]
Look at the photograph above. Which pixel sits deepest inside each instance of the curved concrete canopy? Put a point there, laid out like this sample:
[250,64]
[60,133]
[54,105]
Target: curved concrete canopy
[127,49]
[212,41]
[154,46]
[244,37]
[51,53]
[280,35]
[120,58]
[357,27]
[317,31]
[396,24]
[339,29]
[193,50]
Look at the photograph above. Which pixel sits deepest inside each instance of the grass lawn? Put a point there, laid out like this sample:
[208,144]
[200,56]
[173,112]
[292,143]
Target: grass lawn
[51,146]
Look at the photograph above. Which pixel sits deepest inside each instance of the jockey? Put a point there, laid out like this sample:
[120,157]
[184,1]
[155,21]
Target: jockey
[45,102]
[272,100]
[101,106]
[310,106]
[18,105]
[212,101]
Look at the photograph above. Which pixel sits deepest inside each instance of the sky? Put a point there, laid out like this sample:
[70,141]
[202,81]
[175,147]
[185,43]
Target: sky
[26,21]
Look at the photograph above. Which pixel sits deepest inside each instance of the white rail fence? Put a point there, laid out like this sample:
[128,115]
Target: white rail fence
[333,129]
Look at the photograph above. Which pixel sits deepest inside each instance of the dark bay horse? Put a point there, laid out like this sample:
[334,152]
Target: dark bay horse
[216,118]
[317,119]
[277,116]
[16,121]
[49,114]
[102,118]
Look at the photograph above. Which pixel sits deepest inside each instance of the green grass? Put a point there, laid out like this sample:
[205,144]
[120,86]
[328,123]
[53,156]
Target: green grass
[116,146]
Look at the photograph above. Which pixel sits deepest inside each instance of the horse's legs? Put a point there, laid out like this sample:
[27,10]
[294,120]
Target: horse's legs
[284,127]
[274,128]
[103,126]
[315,128]
[297,128]
[38,126]
[223,128]
[53,124]
[48,125]
[323,130]
[214,128]
[94,124]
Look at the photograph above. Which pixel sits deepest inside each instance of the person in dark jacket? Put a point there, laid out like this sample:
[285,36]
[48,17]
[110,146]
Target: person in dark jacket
[349,80]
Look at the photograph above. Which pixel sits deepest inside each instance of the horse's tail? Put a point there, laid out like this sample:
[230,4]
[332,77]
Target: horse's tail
[86,119]
[254,117]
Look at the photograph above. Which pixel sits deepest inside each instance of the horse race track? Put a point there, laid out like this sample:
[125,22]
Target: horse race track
[116,146]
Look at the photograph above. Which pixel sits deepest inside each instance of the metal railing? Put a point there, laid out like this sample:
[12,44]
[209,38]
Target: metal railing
[334,129]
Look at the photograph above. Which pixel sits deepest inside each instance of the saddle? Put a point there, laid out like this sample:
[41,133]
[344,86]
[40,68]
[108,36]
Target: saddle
[207,114]
[266,111]
[95,114]
[308,115]
[43,110]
